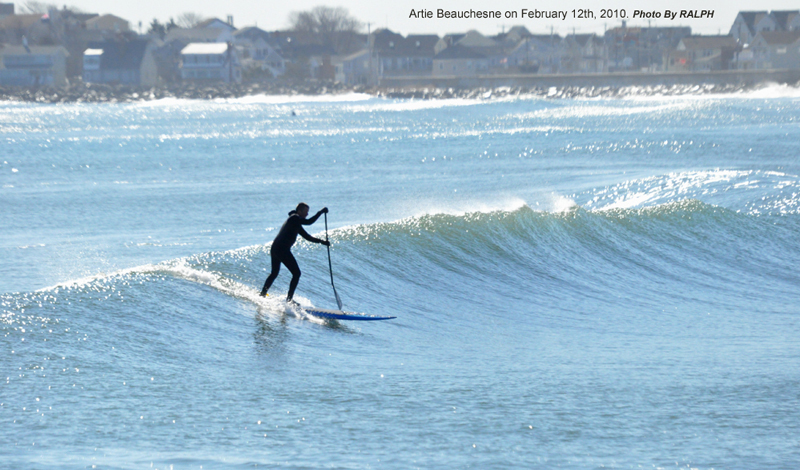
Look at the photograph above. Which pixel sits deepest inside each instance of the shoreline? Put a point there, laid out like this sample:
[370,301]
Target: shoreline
[102,93]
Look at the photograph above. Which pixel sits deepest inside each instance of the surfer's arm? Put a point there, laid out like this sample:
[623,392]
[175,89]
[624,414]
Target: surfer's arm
[308,237]
[313,219]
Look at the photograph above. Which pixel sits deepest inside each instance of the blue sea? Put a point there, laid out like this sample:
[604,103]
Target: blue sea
[578,283]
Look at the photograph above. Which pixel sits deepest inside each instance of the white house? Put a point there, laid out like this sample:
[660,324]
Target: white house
[210,62]
[772,50]
[749,23]
[743,29]
[777,20]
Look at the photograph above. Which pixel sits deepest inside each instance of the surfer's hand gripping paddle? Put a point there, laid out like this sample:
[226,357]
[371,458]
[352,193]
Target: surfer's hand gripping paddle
[330,266]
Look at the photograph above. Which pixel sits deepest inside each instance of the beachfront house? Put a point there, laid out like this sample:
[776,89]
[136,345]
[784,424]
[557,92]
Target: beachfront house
[635,48]
[583,53]
[749,23]
[777,20]
[494,51]
[209,62]
[127,62]
[702,54]
[771,50]
[513,36]
[535,53]
[398,55]
[33,66]
[524,52]
[304,56]
[216,23]
[256,53]
[446,41]
[459,61]
[743,29]
[168,55]
[357,68]
[107,24]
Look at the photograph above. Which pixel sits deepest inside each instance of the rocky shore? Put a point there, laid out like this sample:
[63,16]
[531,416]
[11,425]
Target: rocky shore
[100,93]
[569,91]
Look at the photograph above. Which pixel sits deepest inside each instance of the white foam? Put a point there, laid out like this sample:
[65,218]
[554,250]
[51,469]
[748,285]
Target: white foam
[691,184]
[629,201]
[261,99]
[461,208]
[772,90]
[585,109]
[179,268]
[485,132]
[287,99]
[766,91]
[415,105]
[559,204]
[84,281]
[161,102]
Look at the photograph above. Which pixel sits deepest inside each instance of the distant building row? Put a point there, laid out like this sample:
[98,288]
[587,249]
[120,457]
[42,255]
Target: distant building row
[45,50]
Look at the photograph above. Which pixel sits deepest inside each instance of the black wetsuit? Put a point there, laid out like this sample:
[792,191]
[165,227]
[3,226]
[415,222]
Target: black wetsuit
[281,250]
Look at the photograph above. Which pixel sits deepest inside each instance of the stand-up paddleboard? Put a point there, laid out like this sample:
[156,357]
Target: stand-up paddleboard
[340,315]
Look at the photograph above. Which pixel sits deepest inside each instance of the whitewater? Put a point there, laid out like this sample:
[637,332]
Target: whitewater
[578,283]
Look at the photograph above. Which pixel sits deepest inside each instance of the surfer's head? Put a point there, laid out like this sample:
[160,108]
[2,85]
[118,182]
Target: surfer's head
[302,210]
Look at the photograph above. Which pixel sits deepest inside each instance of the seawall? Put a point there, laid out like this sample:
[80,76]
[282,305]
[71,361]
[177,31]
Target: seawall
[735,78]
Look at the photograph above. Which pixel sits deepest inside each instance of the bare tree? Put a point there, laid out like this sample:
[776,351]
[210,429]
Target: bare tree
[33,7]
[189,19]
[39,8]
[330,25]
[157,29]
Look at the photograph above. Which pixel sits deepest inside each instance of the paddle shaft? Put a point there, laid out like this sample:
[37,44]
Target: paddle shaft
[330,265]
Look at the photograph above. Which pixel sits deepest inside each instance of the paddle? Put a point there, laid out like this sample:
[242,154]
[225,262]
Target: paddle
[330,266]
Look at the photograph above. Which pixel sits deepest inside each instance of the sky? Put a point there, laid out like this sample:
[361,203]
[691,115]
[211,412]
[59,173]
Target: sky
[395,15]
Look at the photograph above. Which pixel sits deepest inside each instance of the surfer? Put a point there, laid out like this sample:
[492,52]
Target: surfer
[281,251]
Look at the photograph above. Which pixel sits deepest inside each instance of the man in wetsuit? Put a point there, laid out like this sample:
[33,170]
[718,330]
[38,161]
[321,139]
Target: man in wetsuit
[281,251]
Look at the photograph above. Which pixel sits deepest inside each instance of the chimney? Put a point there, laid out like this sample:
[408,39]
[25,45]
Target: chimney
[230,20]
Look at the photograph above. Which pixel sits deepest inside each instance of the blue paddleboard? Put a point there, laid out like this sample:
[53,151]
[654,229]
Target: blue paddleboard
[340,315]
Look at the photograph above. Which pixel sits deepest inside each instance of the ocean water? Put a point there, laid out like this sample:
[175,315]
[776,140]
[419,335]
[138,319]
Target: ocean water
[578,284]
